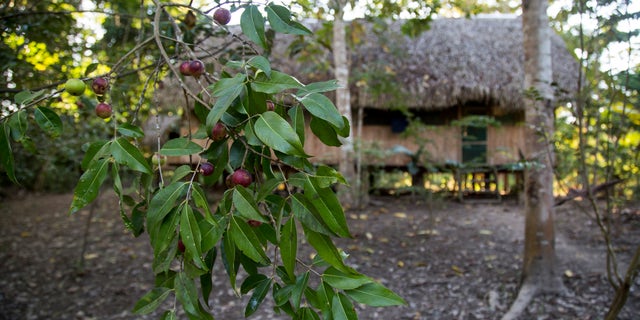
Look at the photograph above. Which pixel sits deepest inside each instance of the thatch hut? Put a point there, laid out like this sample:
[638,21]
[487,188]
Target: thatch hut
[459,68]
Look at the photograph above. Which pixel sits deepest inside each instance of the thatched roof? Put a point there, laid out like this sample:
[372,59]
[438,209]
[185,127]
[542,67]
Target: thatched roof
[456,62]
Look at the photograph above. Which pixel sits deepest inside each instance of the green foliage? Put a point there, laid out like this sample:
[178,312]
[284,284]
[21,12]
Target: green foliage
[186,233]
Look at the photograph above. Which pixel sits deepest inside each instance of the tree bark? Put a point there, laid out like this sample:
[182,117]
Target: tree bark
[539,251]
[343,102]
[539,273]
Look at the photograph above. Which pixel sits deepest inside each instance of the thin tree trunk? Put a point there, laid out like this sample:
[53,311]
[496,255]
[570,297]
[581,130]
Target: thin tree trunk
[343,102]
[539,273]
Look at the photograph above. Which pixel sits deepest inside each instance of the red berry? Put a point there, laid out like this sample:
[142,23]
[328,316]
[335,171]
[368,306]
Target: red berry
[181,247]
[270,105]
[100,85]
[241,177]
[222,16]
[206,169]
[196,68]
[184,68]
[219,132]
[254,223]
[103,110]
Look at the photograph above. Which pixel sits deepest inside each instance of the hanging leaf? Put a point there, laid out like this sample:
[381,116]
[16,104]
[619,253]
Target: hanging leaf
[131,131]
[342,308]
[280,20]
[48,121]
[25,97]
[257,297]
[289,246]
[328,205]
[297,118]
[344,281]
[89,185]
[375,295]
[6,154]
[151,301]
[276,133]
[308,215]
[252,24]
[320,106]
[128,155]
[18,124]
[187,293]
[246,240]
[318,87]
[326,250]
[261,63]
[191,237]
[221,105]
[226,86]
[96,150]
[180,147]
[325,132]
[275,83]
[298,289]
[244,201]
[162,202]
[91,68]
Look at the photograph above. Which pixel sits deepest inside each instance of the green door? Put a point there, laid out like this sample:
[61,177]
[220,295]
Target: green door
[474,145]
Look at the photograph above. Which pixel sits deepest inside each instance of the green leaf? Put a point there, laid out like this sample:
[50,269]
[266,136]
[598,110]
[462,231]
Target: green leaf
[49,121]
[325,132]
[261,63]
[169,315]
[221,105]
[298,289]
[211,233]
[229,258]
[375,295]
[227,86]
[342,308]
[26,96]
[162,203]
[344,281]
[247,241]
[91,68]
[320,106]
[280,20]
[187,293]
[181,172]
[6,154]
[180,147]
[191,237]
[89,185]
[18,124]
[150,301]
[328,205]
[96,150]
[258,295]
[129,130]
[128,155]
[297,118]
[318,87]
[306,313]
[308,215]
[276,133]
[289,246]
[326,250]
[206,280]
[244,202]
[252,24]
[275,83]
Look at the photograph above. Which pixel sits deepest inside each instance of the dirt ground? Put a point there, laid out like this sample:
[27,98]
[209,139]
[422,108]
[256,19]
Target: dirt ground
[449,260]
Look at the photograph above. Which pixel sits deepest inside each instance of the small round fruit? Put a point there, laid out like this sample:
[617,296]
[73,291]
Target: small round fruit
[228,181]
[270,105]
[103,110]
[241,177]
[75,87]
[158,160]
[196,68]
[254,223]
[206,169]
[100,85]
[184,68]
[181,246]
[222,16]
[219,132]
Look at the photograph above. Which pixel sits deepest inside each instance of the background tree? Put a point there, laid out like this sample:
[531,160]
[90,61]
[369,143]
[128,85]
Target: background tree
[539,272]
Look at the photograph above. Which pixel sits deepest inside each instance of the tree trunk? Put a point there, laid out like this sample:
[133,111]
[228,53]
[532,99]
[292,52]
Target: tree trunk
[539,273]
[343,102]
